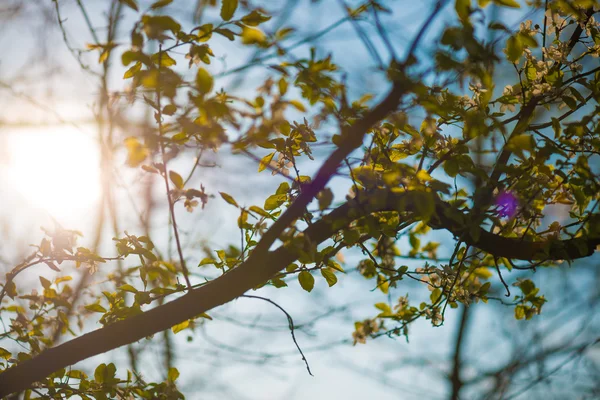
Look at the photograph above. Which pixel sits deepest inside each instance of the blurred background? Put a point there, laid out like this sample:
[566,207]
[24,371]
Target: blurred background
[63,119]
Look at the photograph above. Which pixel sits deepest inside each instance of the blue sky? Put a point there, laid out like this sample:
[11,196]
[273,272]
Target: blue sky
[251,361]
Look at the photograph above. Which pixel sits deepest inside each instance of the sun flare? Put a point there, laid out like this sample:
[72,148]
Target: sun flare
[56,169]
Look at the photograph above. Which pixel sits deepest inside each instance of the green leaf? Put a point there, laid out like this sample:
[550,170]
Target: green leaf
[204,81]
[325,197]
[131,4]
[45,282]
[383,307]
[176,179]
[5,353]
[99,373]
[228,33]
[128,288]
[11,289]
[451,167]
[228,9]
[260,211]
[521,143]
[307,281]
[274,201]
[154,24]
[283,188]
[165,59]
[136,152]
[278,283]
[435,295]
[76,374]
[265,161]
[329,276]
[169,109]
[229,199]
[297,105]
[207,261]
[507,3]
[570,102]
[130,73]
[204,315]
[519,312]
[173,374]
[463,9]
[63,279]
[95,308]
[160,4]
[514,49]
[255,18]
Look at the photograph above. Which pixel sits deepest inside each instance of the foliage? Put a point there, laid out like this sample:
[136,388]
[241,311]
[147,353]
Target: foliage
[408,158]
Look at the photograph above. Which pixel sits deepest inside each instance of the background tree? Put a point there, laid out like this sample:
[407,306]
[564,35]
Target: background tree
[444,148]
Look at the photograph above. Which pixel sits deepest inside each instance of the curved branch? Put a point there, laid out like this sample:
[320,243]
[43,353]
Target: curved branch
[257,270]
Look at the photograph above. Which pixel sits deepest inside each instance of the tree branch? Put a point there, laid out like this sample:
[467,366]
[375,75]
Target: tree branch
[257,270]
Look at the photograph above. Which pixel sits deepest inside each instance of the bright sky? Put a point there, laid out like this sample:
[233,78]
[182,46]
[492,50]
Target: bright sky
[55,169]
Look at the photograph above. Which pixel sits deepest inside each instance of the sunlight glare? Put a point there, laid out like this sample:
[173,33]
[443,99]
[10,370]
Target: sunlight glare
[56,169]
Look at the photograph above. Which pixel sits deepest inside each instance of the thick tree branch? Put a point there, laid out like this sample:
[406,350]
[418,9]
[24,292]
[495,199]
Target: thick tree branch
[255,271]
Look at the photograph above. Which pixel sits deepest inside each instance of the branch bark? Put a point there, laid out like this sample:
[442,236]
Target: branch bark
[257,270]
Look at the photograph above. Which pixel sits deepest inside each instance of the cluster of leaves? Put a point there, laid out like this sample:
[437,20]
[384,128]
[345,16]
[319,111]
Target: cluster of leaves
[538,163]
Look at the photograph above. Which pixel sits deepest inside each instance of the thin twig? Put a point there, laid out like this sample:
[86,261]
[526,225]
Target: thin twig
[291,326]
[166,178]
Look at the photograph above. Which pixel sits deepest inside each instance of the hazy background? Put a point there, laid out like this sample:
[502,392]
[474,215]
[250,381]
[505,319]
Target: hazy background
[50,172]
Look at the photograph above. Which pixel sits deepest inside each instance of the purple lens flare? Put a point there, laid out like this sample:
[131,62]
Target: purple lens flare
[507,204]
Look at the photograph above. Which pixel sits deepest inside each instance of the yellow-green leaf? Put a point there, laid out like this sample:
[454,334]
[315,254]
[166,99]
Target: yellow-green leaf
[207,261]
[507,3]
[164,58]
[204,81]
[307,281]
[228,9]
[5,353]
[160,4]
[520,143]
[128,288]
[275,201]
[176,179]
[76,374]
[325,197]
[205,315]
[136,151]
[131,4]
[95,308]
[255,18]
[130,73]
[228,199]
[329,276]
[45,282]
[63,279]
[169,109]
[514,48]
[463,9]
[265,161]
[173,374]
[45,247]
[181,326]
[260,211]
[298,105]
[519,312]
[253,36]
